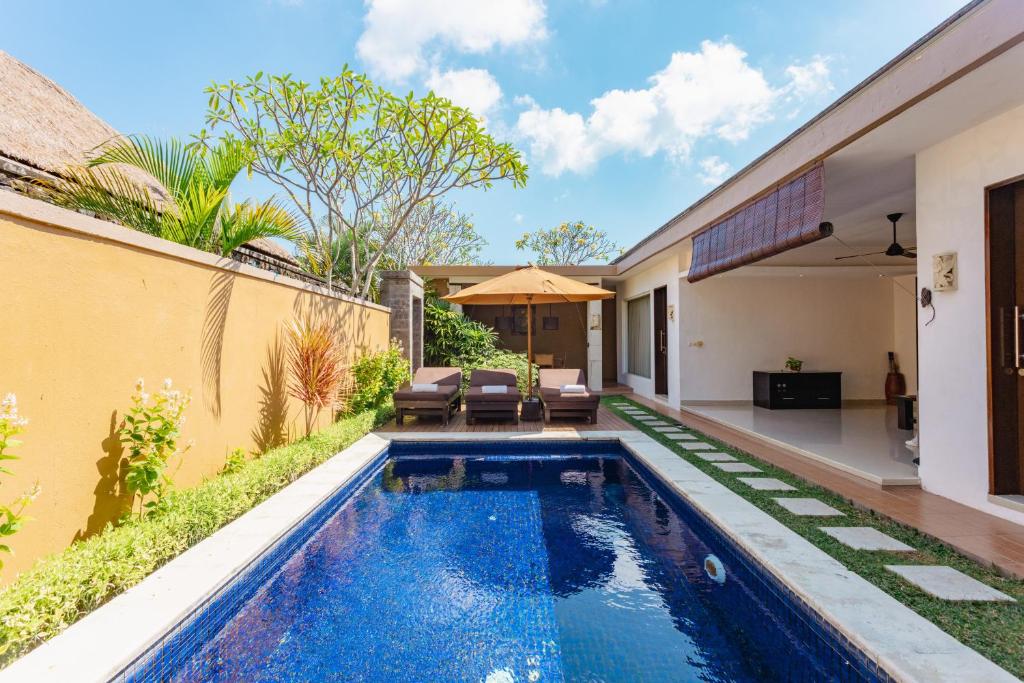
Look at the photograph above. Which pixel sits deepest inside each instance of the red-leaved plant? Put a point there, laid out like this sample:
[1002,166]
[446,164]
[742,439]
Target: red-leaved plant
[315,366]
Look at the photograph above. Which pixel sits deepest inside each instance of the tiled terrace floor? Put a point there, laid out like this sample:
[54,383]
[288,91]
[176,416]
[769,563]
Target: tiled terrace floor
[985,538]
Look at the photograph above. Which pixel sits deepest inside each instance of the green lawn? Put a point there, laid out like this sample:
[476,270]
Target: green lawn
[996,630]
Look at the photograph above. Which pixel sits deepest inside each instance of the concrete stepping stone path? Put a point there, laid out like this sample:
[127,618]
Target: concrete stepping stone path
[808,507]
[682,437]
[947,583]
[697,446]
[667,430]
[715,457]
[766,484]
[866,538]
[735,467]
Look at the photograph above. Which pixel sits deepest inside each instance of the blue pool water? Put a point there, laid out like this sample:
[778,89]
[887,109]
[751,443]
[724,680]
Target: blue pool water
[503,562]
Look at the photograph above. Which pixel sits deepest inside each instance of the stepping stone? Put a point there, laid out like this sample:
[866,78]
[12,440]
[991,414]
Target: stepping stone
[766,484]
[948,583]
[668,430]
[735,467]
[697,446]
[866,538]
[715,457]
[682,437]
[652,422]
[808,507]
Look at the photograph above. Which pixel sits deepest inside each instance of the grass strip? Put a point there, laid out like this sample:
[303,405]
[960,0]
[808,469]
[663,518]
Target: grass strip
[64,587]
[995,629]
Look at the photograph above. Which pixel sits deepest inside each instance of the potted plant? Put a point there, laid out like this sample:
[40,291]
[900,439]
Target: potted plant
[794,364]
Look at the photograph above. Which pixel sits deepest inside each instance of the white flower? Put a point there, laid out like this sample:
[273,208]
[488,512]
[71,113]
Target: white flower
[167,384]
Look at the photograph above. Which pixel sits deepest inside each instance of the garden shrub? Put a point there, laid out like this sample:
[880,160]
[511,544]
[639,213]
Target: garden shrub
[451,337]
[61,589]
[377,375]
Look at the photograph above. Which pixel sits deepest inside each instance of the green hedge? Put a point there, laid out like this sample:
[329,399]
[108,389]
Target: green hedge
[61,589]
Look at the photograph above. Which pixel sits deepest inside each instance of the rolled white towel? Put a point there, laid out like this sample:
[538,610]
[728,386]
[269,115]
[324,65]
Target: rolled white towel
[424,388]
[494,389]
[573,389]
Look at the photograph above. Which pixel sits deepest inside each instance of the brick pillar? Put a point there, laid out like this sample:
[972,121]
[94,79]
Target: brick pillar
[402,292]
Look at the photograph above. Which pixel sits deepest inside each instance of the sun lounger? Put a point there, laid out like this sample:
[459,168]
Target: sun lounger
[492,393]
[564,394]
[433,392]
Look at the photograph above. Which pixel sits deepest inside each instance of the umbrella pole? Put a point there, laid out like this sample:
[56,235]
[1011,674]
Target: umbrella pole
[529,346]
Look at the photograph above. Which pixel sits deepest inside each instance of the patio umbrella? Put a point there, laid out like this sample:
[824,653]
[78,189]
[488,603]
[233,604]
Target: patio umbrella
[529,285]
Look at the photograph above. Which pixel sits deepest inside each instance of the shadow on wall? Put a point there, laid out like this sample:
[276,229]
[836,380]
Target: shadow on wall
[350,321]
[111,498]
[213,339]
[272,428]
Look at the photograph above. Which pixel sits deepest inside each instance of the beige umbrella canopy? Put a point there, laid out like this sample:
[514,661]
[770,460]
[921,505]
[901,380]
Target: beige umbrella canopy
[529,286]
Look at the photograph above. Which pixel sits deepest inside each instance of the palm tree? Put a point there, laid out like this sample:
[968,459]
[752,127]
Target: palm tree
[196,208]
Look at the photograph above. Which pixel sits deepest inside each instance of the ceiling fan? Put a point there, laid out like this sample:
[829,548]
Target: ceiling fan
[894,249]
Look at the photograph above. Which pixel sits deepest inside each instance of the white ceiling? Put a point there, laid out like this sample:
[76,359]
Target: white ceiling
[874,175]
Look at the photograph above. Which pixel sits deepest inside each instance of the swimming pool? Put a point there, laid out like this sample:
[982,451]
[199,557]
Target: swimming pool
[524,561]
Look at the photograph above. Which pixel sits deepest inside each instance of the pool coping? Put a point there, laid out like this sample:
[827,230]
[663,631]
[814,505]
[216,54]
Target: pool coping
[904,644]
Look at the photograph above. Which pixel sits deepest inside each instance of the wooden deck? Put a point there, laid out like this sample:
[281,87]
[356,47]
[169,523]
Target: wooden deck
[606,421]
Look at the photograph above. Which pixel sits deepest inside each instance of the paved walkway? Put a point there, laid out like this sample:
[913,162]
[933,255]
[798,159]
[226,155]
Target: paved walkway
[989,540]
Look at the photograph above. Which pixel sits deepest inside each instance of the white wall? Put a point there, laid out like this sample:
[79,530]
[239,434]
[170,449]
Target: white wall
[904,289]
[951,181]
[841,322]
[663,273]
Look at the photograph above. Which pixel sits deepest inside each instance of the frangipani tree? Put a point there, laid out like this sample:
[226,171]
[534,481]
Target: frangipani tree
[568,244]
[435,233]
[350,150]
[195,209]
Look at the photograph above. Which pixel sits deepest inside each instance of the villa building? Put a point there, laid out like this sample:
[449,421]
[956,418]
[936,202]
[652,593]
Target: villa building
[769,266]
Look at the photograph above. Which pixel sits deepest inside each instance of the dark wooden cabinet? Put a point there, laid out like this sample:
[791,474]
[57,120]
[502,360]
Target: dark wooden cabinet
[776,390]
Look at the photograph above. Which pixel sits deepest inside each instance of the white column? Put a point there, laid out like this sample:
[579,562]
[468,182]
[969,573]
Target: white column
[594,367]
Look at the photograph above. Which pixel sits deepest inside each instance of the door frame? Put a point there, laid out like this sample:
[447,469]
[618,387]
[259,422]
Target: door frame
[659,314]
[995,487]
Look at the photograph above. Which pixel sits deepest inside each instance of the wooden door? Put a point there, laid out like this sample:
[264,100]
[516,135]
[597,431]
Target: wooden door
[661,340]
[1005,250]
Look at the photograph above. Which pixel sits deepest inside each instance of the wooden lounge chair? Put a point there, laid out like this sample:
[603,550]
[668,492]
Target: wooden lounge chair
[562,404]
[442,403]
[482,404]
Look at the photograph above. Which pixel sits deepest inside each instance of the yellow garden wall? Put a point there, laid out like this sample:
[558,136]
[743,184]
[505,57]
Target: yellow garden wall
[88,307]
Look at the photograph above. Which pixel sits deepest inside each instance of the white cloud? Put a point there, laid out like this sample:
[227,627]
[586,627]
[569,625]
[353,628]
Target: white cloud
[517,218]
[808,80]
[713,170]
[713,93]
[559,140]
[475,89]
[398,33]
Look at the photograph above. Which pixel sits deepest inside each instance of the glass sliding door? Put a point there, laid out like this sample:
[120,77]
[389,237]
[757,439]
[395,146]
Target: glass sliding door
[638,340]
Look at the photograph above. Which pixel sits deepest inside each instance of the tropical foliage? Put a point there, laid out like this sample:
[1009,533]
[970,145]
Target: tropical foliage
[12,516]
[315,367]
[434,233]
[451,337]
[453,340]
[354,153]
[61,589]
[568,244]
[377,375]
[194,207]
[150,432]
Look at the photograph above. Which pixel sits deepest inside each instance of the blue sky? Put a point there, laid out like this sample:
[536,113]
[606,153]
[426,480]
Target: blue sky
[627,111]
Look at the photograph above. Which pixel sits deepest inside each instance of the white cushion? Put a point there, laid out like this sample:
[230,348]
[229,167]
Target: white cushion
[424,387]
[573,389]
[494,389]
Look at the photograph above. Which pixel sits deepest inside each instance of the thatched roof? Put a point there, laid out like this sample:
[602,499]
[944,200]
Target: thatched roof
[272,248]
[43,127]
